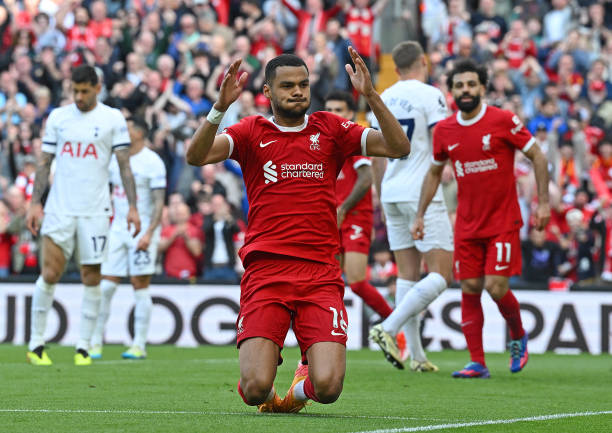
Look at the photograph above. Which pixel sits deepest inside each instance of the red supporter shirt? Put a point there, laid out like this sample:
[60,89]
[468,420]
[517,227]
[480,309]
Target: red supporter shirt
[345,183]
[482,152]
[360,26]
[179,262]
[290,176]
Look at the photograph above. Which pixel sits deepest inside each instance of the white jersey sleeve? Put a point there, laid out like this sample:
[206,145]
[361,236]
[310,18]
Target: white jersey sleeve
[121,136]
[435,107]
[49,140]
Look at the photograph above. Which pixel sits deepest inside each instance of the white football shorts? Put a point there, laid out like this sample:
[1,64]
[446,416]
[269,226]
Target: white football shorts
[125,260]
[400,217]
[88,234]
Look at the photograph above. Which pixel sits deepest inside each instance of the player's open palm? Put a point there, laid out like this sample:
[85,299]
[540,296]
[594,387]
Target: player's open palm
[33,218]
[231,86]
[418,229]
[360,77]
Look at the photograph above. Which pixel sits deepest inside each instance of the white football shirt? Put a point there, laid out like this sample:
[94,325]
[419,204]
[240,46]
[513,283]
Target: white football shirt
[149,174]
[82,144]
[417,107]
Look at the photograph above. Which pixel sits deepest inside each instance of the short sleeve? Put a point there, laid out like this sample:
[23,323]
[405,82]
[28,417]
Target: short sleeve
[435,107]
[237,134]
[360,161]
[121,137]
[158,174]
[440,154]
[350,136]
[49,140]
[516,133]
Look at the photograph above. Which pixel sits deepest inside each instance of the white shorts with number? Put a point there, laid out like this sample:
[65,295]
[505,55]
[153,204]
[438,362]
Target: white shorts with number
[125,260]
[400,217]
[88,234]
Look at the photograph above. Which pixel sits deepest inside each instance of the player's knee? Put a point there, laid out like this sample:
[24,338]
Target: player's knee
[91,279]
[496,289]
[51,275]
[328,392]
[328,388]
[255,391]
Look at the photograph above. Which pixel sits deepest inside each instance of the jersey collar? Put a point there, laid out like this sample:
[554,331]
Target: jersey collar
[290,128]
[473,120]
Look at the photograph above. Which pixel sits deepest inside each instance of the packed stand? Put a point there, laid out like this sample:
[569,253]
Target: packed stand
[549,62]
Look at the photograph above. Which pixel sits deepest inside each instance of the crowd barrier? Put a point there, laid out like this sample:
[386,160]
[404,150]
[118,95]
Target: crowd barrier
[191,315]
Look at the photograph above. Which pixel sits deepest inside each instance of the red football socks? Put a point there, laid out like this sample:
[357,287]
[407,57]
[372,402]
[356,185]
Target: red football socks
[372,297]
[511,310]
[472,321]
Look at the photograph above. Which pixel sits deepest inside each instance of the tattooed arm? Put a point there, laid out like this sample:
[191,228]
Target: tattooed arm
[127,178]
[158,199]
[41,181]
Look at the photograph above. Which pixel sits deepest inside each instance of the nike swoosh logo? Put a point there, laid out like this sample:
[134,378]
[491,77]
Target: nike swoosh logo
[501,268]
[338,333]
[265,144]
[453,146]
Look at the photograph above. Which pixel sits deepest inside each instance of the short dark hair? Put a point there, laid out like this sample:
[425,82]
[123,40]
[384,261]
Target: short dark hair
[85,74]
[282,60]
[406,53]
[467,65]
[341,95]
[139,123]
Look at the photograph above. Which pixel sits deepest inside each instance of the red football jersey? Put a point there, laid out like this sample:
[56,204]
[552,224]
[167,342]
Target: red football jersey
[482,152]
[290,176]
[346,181]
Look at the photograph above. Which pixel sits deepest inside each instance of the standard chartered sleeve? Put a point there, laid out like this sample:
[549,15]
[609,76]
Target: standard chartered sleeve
[439,152]
[350,136]
[121,137]
[237,135]
[50,136]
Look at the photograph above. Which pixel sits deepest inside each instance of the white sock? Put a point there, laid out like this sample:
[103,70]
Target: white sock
[89,315]
[41,304]
[142,316]
[416,300]
[298,391]
[402,287]
[108,289]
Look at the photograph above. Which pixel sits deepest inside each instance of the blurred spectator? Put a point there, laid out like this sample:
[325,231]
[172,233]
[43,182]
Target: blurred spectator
[47,35]
[383,269]
[556,22]
[310,20]
[548,115]
[219,229]
[485,20]
[181,242]
[577,249]
[541,258]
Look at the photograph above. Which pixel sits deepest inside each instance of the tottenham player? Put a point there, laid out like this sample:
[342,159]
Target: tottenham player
[481,142]
[418,107]
[133,256]
[81,137]
[290,163]
[355,214]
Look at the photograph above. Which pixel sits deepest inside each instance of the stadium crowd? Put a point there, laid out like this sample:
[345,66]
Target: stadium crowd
[163,60]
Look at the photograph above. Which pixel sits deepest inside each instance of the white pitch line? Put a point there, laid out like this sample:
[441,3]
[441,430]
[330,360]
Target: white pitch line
[489,422]
[183,412]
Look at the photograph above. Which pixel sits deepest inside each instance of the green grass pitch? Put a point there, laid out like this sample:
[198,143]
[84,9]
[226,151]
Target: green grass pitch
[194,390]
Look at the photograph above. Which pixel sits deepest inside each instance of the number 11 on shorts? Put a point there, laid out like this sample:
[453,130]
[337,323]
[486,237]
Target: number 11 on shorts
[500,246]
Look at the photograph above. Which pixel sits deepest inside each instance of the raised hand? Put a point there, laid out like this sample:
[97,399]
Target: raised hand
[231,87]
[360,77]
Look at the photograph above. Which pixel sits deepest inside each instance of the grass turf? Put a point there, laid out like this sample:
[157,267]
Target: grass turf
[195,390]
